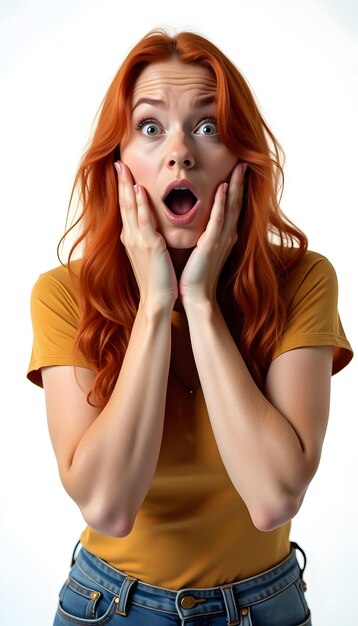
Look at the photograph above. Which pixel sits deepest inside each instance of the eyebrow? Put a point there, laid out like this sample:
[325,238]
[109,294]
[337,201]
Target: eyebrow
[201,102]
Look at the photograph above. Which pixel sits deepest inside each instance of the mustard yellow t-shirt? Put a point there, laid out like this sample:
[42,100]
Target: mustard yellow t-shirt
[193,529]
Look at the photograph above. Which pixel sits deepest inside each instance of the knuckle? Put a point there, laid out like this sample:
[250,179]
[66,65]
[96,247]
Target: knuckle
[125,205]
[148,246]
[215,246]
[159,243]
[142,219]
[132,242]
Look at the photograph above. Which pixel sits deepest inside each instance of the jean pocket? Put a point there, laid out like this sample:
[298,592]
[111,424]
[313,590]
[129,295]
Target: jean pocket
[287,607]
[83,604]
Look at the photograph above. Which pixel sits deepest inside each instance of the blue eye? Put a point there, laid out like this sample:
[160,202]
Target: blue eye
[150,125]
[209,127]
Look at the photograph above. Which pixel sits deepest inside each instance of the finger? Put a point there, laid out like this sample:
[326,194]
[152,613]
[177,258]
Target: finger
[119,169]
[236,185]
[127,199]
[234,197]
[145,217]
[216,220]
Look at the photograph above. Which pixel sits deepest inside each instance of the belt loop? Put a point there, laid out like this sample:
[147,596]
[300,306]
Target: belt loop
[230,604]
[122,598]
[73,558]
[297,547]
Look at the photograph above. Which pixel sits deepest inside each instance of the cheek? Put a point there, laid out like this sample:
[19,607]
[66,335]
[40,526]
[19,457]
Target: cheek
[134,167]
[227,164]
[128,152]
[139,165]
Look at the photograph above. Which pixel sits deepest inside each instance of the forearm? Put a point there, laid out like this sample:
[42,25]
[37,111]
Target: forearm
[115,460]
[259,448]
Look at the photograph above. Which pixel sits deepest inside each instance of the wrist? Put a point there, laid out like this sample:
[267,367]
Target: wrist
[199,306]
[154,309]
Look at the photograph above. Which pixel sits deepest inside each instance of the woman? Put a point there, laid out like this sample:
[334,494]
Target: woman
[194,420]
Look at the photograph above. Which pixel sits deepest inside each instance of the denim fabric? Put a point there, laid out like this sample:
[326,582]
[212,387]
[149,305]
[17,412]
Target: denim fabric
[98,594]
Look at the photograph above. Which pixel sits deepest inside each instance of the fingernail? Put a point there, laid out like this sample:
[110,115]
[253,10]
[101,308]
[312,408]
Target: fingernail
[118,167]
[224,187]
[136,189]
[244,167]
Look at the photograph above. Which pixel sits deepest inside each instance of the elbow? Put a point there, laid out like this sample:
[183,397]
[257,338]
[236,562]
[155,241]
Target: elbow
[112,524]
[112,521]
[114,528]
[274,517]
[283,507]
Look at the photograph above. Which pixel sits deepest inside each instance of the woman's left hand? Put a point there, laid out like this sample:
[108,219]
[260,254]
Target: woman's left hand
[200,275]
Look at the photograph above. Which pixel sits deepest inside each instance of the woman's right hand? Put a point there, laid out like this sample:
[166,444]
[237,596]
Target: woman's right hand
[146,248]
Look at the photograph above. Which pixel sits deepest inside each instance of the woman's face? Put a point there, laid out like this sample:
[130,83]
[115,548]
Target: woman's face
[173,137]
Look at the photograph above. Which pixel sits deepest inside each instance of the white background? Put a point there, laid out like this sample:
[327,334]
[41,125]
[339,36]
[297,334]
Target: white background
[58,59]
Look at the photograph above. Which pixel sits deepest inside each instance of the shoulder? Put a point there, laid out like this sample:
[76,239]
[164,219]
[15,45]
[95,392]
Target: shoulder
[55,295]
[55,319]
[312,262]
[58,282]
[311,273]
[310,294]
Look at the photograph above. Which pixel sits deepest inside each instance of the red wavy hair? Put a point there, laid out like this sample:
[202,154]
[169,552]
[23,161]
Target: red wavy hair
[249,290]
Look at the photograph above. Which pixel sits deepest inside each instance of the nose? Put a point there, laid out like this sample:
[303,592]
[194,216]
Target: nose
[179,153]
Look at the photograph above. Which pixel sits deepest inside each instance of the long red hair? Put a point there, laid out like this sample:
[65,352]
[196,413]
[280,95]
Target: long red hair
[249,290]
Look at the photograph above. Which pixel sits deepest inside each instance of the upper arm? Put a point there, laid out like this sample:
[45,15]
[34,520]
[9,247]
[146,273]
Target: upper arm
[69,414]
[298,385]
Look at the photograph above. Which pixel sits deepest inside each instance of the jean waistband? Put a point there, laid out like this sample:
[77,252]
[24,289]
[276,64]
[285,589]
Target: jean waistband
[192,601]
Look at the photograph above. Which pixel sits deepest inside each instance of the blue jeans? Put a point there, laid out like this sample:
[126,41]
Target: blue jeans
[98,594]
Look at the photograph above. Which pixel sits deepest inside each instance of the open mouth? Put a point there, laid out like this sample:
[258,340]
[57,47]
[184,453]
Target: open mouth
[180,201]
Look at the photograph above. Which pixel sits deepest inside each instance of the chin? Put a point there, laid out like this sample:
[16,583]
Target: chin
[182,240]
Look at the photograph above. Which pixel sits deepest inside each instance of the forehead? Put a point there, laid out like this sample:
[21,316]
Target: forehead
[173,78]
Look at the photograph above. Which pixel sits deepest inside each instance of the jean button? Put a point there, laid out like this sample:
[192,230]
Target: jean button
[187,602]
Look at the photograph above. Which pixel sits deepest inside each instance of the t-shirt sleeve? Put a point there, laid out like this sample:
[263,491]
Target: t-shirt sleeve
[312,313]
[55,317]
